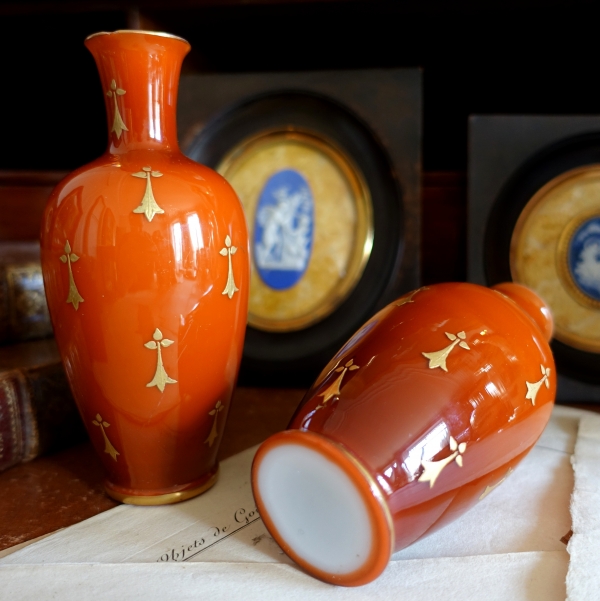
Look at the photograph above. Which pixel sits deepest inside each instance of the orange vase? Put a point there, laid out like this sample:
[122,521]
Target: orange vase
[145,262]
[424,412]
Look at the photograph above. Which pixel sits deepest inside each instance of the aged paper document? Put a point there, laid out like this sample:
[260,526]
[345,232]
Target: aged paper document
[507,547]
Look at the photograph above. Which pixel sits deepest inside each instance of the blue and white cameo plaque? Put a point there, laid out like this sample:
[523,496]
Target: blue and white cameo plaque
[310,218]
[283,229]
[584,257]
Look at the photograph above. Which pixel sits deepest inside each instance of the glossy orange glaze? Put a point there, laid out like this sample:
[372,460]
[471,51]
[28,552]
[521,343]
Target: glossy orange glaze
[136,275]
[397,408]
[534,306]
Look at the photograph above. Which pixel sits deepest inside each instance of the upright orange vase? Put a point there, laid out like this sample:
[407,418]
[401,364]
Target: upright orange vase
[145,262]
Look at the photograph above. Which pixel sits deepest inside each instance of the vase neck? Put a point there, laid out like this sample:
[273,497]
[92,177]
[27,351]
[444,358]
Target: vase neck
[139,72]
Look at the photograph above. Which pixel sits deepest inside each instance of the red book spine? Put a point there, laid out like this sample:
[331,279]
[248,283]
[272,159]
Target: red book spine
[11,423]
[37,413]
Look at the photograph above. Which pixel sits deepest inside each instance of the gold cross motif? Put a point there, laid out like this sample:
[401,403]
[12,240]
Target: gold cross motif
[489,489]
[227,251]
[148,206]
[118,125]
[333,389]
[161,379]
[108,448]
[438,358]
[213,431]
[409,297]
[73,297]
[432,469]
[534,388]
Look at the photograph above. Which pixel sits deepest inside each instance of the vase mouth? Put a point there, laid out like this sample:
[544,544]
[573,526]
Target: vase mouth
[160,34]
[307,490]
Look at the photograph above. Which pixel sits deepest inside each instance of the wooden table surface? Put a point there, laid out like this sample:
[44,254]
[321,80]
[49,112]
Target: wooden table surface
[54,492]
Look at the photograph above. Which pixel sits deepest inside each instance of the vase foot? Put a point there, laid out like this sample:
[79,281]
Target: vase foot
[162,499]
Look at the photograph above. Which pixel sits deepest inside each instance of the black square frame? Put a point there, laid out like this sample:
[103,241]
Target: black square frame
[374,116]
[501,149]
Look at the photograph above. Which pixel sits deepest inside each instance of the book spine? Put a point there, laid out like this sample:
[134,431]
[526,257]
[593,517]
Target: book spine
[11,426]
[37,414]
[23,309]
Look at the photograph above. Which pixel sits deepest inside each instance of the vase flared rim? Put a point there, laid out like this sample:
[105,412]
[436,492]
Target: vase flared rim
[160,34]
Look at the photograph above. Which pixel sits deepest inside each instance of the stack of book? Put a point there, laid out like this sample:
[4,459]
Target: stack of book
[37,410]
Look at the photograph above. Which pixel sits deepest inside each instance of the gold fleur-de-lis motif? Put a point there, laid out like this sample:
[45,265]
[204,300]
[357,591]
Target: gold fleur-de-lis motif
[160,379]
[533,388]
[108,448]
[118,125]
[409,297]
[333,389]
[438,358]
[213,431]
[227,251]
[69,257]
[489,489]
[432,469]
[148,206]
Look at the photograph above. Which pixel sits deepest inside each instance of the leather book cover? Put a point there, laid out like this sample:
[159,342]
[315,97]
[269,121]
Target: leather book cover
[23,310]
[37,411]
[11,424]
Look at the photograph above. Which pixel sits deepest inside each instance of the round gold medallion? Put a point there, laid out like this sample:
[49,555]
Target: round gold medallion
[555,250]
[310,222]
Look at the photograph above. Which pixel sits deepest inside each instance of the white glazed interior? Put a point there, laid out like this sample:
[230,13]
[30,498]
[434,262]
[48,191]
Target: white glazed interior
[316,508]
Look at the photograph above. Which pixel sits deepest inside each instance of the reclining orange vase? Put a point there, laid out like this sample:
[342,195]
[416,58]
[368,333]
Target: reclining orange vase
[422,413]
[146,271]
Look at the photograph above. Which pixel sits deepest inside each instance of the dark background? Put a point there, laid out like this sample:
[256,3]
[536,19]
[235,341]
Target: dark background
[482,56]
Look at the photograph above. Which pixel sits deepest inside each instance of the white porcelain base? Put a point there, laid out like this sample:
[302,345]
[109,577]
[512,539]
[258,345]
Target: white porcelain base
[323,507]
[316,508]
